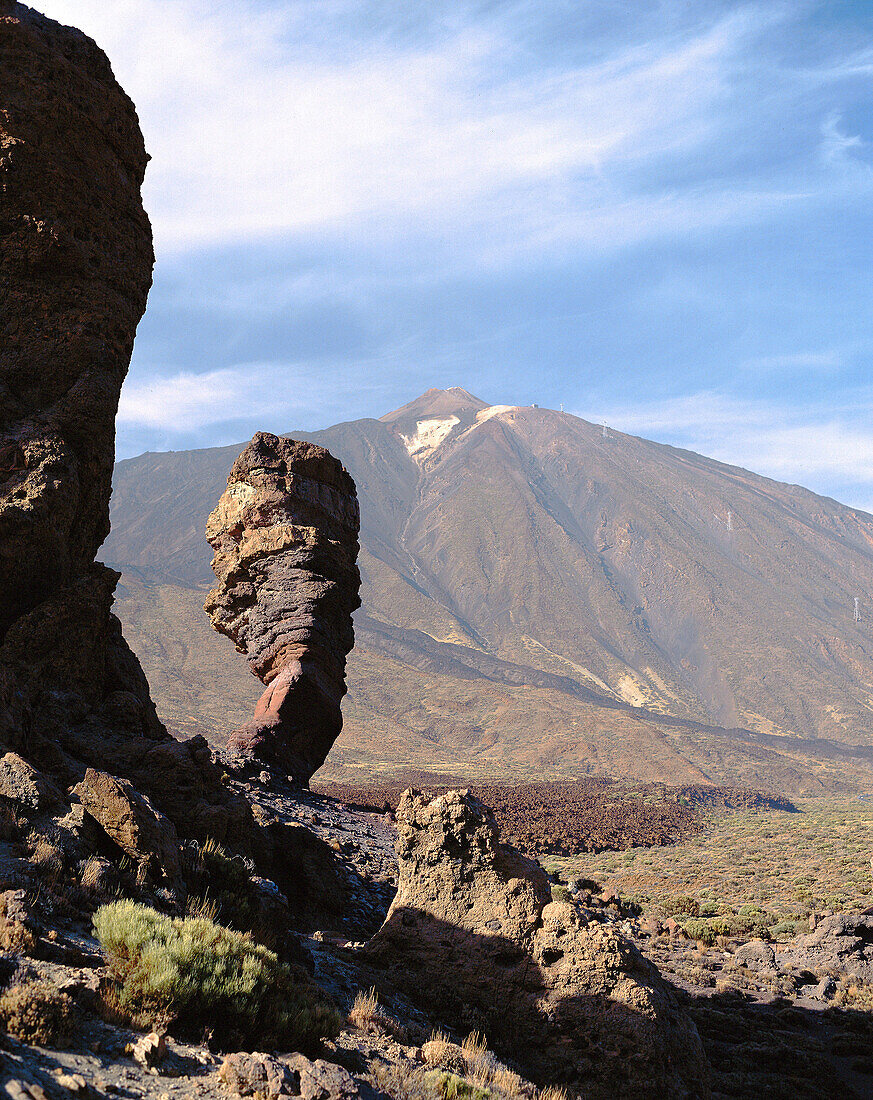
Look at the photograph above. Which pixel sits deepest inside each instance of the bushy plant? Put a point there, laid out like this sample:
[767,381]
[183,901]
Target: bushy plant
[449,1086]
[784,928]
[696,928]
[226,888]
[37,1012]
[685,906]
[199,975]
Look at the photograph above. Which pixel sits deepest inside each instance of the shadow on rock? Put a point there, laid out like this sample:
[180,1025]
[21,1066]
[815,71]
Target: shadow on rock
[474,937]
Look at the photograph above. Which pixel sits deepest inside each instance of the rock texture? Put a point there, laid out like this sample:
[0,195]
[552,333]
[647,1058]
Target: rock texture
[841,944]
[129,818]
[75,270]
[285,536]
[474,934]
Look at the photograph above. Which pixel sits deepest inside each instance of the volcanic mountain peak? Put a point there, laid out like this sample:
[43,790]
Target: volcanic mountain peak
[434,404]
[428,421]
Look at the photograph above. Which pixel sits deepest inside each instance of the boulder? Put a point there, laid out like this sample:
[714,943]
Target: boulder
[260,1075]
[842,943]
[474,936]
[266,1077]
[21,783]
[129,818]
[285,536]
[756,956]
[320,1080]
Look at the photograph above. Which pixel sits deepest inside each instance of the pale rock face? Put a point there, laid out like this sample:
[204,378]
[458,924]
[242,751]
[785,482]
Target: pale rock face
[285,536]
[428,436]
[474,934]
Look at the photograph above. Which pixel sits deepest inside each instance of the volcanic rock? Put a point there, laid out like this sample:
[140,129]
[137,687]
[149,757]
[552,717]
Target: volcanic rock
[22,784]
[75,270]
[129,819]
[842,943]
[285,536]
[756,956]
[474,935]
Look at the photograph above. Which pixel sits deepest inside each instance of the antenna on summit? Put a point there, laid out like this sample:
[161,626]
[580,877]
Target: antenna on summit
[857,610]
[605,430]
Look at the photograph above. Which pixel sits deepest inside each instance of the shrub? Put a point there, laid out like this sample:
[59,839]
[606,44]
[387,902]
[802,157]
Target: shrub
[784,928]
[449,1086]
[560,893]
[722,926]
[37,1012]
[228,895]
[685,905]
[700,930]
[365,1008]
[200,975]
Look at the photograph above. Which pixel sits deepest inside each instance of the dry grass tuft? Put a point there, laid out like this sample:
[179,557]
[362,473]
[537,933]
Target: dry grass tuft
[364,1011]
[553,1092]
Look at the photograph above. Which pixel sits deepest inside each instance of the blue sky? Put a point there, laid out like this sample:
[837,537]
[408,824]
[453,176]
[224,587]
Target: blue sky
[656,212]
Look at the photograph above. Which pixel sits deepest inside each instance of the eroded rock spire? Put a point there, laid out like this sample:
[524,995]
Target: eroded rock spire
[285,536]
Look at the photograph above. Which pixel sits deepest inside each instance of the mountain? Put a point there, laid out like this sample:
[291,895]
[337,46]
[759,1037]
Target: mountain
[541,595]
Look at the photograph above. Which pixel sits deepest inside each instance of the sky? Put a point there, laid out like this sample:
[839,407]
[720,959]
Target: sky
[652,212]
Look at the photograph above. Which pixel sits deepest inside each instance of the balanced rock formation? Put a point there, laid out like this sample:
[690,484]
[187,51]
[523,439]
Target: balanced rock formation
[285,536]
[75,270]
[474,935]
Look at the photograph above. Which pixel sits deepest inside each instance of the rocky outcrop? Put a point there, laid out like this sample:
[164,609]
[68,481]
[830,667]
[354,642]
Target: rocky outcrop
[75,270]
[840,944]
[474,935]
[285,536]
[132,822]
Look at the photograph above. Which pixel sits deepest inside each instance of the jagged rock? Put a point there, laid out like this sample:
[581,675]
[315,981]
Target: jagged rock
[259,1075]
[21,783]
[150,1050]
[75,270]
[474,935]
[842,943]
[130,819]
[285,536]
[320,1080]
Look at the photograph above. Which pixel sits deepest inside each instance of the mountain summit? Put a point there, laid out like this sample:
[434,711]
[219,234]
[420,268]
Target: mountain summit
[539,595]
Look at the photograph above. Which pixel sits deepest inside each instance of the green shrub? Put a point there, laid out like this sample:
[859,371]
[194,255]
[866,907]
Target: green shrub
[226,888]
[449,1086]
[701,930]
[723,926]
[201,975]
[37,1012]
[784,928]
[560,893]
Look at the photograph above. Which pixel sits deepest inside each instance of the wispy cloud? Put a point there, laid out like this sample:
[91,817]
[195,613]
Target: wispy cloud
[275,395]
[254,132]
[812,445]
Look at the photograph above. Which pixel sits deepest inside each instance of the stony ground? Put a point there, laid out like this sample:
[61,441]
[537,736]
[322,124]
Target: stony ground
[765,1033]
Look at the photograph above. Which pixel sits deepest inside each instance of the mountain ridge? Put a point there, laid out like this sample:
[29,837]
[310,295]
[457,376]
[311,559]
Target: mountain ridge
[523,535]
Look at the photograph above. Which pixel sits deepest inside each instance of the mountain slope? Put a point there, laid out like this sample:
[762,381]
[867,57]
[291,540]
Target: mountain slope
[567,591]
